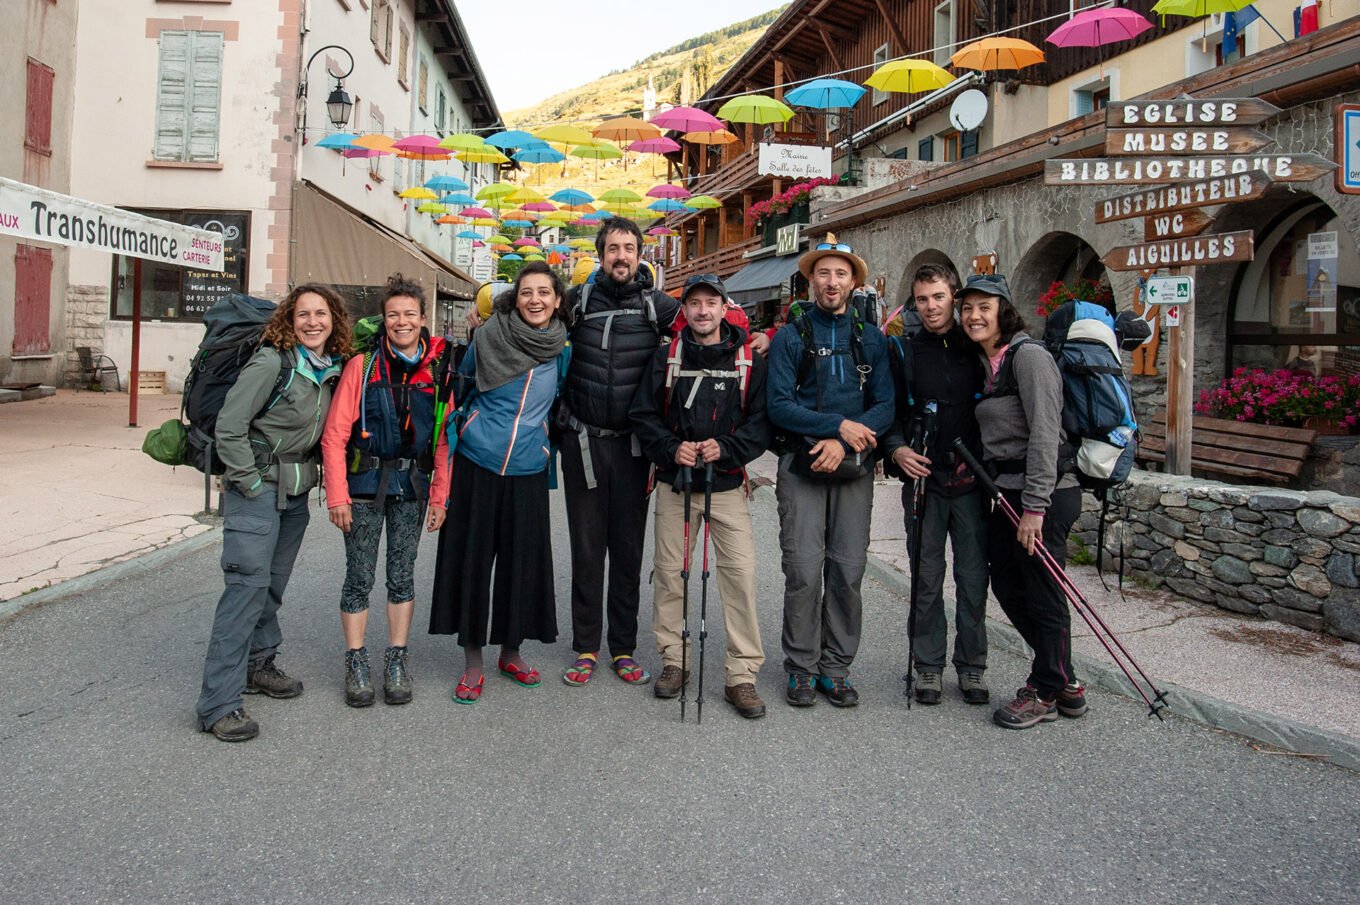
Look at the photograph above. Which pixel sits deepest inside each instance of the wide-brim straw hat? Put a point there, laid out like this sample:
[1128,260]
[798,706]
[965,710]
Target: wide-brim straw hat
[829,248]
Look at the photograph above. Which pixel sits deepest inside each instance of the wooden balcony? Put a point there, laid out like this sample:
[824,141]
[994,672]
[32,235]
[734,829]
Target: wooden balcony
[724,262]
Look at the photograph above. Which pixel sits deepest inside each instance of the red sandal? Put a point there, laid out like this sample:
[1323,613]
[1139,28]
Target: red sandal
[468,694]
[527,678]
[579,673]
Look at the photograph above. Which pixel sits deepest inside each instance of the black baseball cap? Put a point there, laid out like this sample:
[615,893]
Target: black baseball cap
[987,284]
[704,279]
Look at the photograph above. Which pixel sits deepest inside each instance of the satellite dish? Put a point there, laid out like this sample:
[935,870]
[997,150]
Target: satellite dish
[969,109]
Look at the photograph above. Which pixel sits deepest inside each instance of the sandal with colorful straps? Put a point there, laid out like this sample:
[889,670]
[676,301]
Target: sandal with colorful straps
[579,673]
[526,677]
[468,694]
[629,670]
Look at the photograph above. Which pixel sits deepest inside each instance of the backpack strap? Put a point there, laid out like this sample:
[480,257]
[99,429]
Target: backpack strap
[673,355]
[744,370]
[1005,383]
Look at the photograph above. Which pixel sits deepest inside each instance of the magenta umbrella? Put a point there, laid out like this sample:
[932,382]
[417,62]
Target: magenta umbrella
[538,206]
[364,152]
[1097,27]
[662,145]
[527,240]
[687,119]
[425,144]
[666,190]
[475,212]
[660,231]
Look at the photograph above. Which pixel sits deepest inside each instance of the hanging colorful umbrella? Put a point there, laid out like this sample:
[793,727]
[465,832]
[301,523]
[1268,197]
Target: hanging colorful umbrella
[534,258]
[540,207]
[522,194]
[337,141]
[463,141]
[418,191]
[518,224]
[662,145]
[666,206]
[495,190]
[511,138]
[666,190]
[825,94]
[718,137]
[909,77]
[597,151]
[539,155]
[619,196]
[364,152]
[564,134]
[703,203]
[571,196]
[497,239]
[474,212]
[582,243]
[467,234]
[458,199]
[686,119]
[486,221]
[1198,8]
[430,207]
[420,144]
[578,208]
[1099,26]
[625,128]
[487,154]
[375,141]
[446,184]
[991,54]
[449,219]
[512,257]
[754,108]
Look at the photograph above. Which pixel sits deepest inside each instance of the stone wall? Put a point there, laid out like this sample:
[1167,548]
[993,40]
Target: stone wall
[87,307]
[1285,555]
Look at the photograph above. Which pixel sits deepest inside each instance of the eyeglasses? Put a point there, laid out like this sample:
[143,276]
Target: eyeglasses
[839,246]
[698,278]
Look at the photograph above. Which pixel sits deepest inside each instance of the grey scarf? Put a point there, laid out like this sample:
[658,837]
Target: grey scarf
[506,347]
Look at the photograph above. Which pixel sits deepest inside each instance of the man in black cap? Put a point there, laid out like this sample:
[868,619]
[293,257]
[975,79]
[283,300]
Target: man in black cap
[703,403]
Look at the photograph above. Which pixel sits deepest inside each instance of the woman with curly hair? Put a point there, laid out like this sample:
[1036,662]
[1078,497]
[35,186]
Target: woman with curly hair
[494,566]
[267,437]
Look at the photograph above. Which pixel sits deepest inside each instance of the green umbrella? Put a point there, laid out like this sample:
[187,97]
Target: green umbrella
[597,151]
[703,203]
[496,190]
[1198,8]
[620,196]
[463,141]
[755,108]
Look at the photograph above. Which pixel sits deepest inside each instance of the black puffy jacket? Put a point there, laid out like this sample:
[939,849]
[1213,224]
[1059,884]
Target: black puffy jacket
[612,344]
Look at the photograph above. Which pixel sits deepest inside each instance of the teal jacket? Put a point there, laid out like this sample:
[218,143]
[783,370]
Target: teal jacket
[275,444]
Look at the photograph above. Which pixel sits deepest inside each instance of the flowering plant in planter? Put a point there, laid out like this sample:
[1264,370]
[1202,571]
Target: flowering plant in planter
[1283,397]
[1059,293]
[785,201]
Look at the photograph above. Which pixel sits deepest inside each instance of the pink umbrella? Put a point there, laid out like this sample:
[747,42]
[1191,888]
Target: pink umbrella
[666,190]
[423,143]
[364,152]
[660,231]
[687,119]
[475,212]
[662,145]
[1096,27]
[528,240]
[539,206]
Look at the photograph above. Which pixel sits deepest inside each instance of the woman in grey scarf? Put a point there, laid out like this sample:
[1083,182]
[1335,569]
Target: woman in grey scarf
[494,565]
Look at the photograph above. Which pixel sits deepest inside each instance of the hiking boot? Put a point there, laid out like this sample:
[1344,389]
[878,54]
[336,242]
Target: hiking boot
[358,684]
[267,679]
[800,692]
[1028,709]
[744,698]
[236,726]
[929,685]
[397,687]
[1072,700]
[838,691]
[668,684]
[973,686]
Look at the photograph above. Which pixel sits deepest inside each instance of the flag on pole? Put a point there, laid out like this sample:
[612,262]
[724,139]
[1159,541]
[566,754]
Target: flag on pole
[1308,18]
[1245,16]
[1229,38]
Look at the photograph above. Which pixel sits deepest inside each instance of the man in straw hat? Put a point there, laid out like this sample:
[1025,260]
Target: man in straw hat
[830,398]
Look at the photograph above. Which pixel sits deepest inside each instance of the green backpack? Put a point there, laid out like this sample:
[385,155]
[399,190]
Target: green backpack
[168,444]
[366,331]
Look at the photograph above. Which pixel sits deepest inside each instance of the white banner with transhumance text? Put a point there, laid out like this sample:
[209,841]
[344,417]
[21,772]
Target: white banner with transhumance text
[795,161]
[28,212]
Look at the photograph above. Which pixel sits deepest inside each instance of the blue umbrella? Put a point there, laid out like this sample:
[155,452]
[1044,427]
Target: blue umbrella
[339,141]
[666,205]
[467,234]
[562,249]
[446,184]
[461,199]
[826,94]
[539,155]
[571,197]
[512,257]
[513,138]
[517,224]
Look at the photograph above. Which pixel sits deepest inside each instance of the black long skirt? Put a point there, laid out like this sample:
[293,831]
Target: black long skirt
[497,528]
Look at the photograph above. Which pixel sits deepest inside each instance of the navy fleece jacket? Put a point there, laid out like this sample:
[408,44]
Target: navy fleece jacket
[794,409]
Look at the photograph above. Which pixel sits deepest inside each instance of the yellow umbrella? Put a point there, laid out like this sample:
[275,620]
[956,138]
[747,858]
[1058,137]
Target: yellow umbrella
[495,190]
[909,77]
[421,192]
[486,154]
[564,134]
[524,195]
[486,221]
[991,54]
[716,137]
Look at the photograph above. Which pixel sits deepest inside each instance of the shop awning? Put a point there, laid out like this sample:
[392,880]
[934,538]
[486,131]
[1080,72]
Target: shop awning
[339,246]
[760,281]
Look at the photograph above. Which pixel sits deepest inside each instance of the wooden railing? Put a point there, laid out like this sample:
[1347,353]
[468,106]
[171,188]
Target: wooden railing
[724,262]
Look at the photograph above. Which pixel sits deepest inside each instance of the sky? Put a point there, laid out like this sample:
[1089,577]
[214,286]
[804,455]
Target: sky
[531,49]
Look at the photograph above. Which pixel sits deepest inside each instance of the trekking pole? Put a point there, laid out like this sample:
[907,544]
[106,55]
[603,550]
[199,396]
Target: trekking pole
[925,428]
[1098,627]
[687,478]
[703,586]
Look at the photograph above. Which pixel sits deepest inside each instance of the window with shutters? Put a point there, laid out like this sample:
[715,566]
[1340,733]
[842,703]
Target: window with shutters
[32,300]
[423,85]
[1091,97]
[880,57]
[380,28]
[189,96]
[925,149]
[38,108]
[944,32]
[950,140]
[968,144]
[440,109]
[404,59]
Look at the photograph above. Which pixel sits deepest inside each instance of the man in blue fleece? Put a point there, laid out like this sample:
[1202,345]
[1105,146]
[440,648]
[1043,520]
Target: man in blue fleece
[830,394]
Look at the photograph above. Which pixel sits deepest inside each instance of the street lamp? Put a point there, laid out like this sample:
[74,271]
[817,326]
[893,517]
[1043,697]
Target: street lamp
[338,103]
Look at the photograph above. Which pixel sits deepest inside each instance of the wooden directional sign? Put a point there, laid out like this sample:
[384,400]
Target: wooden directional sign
[1220,248]
[1220,111]
[1183,196]
[1153,170]
[1175,225]
[1128,142]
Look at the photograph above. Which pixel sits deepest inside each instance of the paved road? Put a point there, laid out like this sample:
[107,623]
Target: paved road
[601,794]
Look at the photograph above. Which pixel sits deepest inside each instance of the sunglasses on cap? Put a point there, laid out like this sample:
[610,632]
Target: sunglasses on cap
[838,246]
[709,278]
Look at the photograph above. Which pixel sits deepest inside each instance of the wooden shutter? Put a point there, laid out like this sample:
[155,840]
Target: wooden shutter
[32,300]
[38,108]
[968,144]
[925,149]
[189,96]
[374,22]
[206,96]
[172,104]
[1084,103]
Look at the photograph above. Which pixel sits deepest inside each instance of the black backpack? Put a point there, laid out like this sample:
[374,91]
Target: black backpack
[235,325]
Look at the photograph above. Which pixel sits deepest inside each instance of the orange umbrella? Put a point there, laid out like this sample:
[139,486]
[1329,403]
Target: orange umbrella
[717,137]
[375,141]
[997,53]
[626,128]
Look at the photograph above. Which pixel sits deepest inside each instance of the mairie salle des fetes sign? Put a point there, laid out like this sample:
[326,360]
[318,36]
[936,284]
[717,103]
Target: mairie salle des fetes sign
[1202,153]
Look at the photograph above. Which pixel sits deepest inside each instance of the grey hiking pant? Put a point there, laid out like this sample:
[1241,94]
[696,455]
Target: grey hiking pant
[259,543]
[824,535]
[964,520]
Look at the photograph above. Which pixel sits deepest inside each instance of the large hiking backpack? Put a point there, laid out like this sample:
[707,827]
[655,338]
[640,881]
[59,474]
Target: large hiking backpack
[235,324]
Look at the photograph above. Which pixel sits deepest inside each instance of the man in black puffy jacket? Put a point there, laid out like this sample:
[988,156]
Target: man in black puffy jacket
[703,403]
[618,321]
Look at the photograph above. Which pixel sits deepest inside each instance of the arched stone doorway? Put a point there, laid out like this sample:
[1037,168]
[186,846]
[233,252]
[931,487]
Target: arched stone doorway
[1057,256]
[929,256]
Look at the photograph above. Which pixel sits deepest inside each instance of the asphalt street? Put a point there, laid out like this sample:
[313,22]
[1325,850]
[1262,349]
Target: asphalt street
[601,794]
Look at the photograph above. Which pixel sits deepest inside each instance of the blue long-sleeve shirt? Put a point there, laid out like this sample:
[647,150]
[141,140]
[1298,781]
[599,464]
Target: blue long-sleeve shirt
[794,409]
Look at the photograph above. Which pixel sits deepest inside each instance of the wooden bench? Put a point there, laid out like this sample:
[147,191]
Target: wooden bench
[1236,450]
